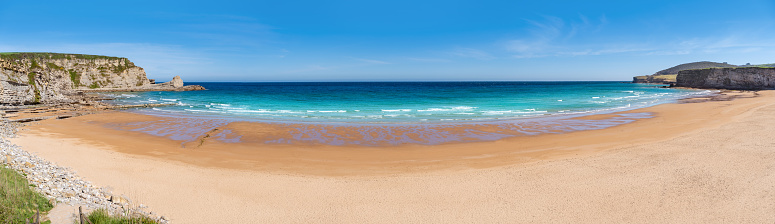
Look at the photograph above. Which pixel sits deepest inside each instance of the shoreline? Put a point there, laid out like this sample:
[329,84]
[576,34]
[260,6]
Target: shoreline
[678,166]
[113,129]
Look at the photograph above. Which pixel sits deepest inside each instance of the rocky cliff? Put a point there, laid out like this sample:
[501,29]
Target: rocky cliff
[668,76]
[28,78]
[741,78]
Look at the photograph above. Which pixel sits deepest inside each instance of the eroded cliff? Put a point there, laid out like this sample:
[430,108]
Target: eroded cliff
[28,78]
[668,76]
[740,78]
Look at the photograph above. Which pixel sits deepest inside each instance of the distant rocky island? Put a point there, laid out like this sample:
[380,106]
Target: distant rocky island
[714,75]
[49,78]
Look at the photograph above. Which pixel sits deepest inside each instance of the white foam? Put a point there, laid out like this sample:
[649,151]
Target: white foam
[396,110]
[457,108]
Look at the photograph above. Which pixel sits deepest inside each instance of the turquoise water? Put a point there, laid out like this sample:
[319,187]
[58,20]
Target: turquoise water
[405,102]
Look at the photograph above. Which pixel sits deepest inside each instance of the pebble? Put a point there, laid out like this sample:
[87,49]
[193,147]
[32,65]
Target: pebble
[60,184]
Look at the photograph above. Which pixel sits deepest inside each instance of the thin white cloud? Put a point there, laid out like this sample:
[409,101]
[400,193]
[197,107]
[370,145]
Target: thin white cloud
[472,53]
[437,60]
[372,61]
[548,36]
[554,37]
[283,52]
[310,69]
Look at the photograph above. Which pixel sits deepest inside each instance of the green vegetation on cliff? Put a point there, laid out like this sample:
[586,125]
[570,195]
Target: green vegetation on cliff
[48,55]
[31,80]
[669,75]
[694,65]
[75,77]
[94,85]
[54,66]
[34,64]
[772,65]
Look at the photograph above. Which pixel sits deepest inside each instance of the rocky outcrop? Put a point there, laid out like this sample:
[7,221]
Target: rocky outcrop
[668,76]
[177,82]
[658,79]
[175,85]
[742,78]
[29,78]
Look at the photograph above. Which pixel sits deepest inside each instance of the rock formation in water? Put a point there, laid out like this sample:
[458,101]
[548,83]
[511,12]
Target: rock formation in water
[741,78]
[29,78]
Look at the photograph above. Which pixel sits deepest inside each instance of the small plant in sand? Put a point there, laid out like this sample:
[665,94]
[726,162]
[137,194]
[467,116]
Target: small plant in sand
[101,216]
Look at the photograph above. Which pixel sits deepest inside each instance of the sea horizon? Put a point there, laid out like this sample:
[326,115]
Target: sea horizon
[404,102]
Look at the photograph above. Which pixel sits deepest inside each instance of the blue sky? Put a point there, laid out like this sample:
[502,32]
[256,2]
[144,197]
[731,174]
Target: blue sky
[396,40]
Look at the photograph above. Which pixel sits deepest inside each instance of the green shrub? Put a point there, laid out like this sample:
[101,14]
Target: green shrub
[34,64]
[101,216]
[48,55]
[18,200]
[31,78]
[54,66]
[75,77]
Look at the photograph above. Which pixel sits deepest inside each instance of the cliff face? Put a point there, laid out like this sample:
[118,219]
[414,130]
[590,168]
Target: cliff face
[668,76]
[49,77]
[28,78]
[661,79]
[742,78]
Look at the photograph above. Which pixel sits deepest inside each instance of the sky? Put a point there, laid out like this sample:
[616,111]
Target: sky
[396,40]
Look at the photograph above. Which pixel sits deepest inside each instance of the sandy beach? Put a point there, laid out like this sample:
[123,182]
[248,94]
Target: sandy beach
[695,162]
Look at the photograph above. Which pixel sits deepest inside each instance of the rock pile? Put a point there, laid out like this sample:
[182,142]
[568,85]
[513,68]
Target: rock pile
[60,184]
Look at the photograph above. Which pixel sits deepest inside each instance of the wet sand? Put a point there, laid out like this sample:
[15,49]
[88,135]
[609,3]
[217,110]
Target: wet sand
[708,161]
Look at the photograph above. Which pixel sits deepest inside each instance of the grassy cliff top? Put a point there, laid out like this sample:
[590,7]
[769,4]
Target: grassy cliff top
[49,55]
[762,65]
[694,65]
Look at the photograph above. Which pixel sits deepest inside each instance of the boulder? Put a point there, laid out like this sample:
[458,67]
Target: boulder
[177,82]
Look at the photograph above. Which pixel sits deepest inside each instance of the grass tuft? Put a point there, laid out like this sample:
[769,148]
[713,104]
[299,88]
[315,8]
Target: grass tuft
[94,85]
[75,77]
[100,216]
[18,200]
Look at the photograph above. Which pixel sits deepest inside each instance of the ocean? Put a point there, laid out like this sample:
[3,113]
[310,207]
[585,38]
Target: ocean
[404,102]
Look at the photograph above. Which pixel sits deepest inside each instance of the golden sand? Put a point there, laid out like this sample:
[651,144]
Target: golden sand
[712,161]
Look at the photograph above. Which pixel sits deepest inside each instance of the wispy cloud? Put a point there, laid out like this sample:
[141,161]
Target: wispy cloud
[314,68]
[548,37]
[726,44]
[471,53]
[556,37]
[310,69]
[437,60]
[283,53]
[372,61]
